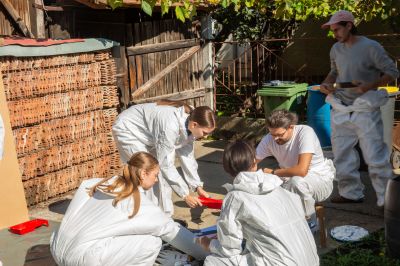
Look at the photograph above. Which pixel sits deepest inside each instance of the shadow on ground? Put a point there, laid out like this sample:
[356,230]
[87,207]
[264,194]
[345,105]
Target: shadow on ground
[60,207]
[39,255]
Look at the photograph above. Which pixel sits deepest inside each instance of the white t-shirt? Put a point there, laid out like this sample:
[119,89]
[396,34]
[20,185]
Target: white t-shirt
[304,140]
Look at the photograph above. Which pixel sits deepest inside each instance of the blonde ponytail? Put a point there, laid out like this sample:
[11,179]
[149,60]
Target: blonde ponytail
[128,183]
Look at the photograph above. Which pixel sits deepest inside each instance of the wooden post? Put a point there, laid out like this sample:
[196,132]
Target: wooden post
[120,58]
[207,75]
[37,19]
[320,212]
[207,78]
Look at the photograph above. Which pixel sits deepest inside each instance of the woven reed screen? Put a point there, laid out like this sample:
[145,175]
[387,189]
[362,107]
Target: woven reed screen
[62,109]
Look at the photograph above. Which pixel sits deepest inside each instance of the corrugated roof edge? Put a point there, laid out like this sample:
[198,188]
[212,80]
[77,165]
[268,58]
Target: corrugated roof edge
[89,45]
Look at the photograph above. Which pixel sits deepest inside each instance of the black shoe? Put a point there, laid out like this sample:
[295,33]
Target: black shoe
[181,222]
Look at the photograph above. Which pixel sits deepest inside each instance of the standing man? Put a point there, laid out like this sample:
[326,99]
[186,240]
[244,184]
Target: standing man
[358,67]
[303,167]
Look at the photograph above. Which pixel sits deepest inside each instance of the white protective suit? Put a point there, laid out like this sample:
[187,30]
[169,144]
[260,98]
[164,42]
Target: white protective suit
[360,122]
[316,186]
[269,218]
[93,232]
[160,130]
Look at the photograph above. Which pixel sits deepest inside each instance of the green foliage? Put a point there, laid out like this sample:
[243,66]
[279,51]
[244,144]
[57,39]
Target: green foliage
[279,18]
[279,9]
[370,251]
[115,3]
[148,6]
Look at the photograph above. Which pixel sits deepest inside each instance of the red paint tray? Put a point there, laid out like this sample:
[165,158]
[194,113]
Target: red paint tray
[29,226]
[211,203]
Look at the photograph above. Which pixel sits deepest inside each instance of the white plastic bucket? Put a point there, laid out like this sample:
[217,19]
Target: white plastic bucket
[387,112]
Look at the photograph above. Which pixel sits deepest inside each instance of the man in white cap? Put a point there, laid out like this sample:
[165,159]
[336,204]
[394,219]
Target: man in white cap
[358,67]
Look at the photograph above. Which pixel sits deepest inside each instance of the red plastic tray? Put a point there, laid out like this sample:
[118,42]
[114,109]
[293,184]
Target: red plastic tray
[28,226]
[211,203]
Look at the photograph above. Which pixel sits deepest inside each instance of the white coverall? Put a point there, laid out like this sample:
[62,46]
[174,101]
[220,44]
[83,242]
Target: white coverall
[269,218]
[316,186]
[360,122]
[93,232]
[160,130]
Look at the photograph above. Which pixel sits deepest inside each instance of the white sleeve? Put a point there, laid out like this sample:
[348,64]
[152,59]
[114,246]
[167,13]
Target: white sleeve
[307,141]
[165,150]
[229,229]
[189,166]
[184,240]
[168,231]
[2,133]
[263,149]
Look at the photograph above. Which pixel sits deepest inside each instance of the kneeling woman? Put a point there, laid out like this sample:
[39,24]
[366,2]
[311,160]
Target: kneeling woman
[111,222]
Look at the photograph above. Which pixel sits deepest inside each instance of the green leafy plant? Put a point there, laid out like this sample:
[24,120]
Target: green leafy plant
[280,9]
[370,251]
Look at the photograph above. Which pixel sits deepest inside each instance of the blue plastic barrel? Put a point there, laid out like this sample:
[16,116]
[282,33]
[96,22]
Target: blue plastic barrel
[318,115]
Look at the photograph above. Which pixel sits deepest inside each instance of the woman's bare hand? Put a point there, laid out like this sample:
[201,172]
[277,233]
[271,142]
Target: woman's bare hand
[192,202]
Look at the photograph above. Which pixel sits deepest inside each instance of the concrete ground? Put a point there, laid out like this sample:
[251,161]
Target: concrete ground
[32,249]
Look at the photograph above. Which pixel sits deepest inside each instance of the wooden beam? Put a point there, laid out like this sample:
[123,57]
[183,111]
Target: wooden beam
[16,18]
[177,96]
[160,47]
[47,8]
[150,83]
[119,56]
[94,4]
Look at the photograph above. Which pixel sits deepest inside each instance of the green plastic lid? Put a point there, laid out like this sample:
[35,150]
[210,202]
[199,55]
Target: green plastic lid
[285,90]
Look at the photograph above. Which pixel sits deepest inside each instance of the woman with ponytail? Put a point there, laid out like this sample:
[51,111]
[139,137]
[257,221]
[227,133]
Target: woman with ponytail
[111,222]
[165,129]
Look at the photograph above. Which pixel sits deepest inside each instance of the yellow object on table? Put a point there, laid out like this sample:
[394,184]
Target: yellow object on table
[389,89]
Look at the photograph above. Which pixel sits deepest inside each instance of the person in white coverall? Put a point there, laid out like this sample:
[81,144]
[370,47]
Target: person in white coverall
[358,67]
[164,129]
[111,222]
[260,223]
[303,167]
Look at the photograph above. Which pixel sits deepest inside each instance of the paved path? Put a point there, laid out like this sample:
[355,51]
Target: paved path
[32,249]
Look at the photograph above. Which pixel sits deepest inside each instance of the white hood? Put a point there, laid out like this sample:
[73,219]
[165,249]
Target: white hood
[255,182]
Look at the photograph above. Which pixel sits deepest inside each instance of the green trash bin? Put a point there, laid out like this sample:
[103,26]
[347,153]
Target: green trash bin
[289,96]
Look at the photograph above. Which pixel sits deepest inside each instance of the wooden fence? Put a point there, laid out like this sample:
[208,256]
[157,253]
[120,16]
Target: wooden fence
[165,61]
